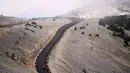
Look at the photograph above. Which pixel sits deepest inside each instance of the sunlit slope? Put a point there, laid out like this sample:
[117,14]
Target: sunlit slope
[90,48]
[21,44]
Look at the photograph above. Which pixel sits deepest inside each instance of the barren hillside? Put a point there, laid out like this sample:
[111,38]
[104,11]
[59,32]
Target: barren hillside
[20,44]
[5,20]
[90,48]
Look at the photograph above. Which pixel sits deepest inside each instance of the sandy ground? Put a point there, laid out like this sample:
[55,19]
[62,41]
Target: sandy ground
[20,45]
[82,53]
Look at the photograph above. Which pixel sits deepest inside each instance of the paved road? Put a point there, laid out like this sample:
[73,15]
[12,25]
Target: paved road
[42,59]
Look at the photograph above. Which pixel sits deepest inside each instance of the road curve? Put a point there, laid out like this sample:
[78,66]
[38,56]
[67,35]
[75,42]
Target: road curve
[41,61]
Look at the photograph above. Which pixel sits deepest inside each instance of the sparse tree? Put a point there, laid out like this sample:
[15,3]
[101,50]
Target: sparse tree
[75,28]
[25,33]
[114,34]
[13,56]
[126,42]
[33,23]
[17,42]
[90,35]
[83,33]
[84,71]
[27,24]
[53,19]
[35,26]
[40,27]
[7,54]
[97,35]
[27,28]
[33,31]
[83,27]
[125,46]
[19,38]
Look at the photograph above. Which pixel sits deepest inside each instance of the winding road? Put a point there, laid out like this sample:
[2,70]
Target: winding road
[42,59]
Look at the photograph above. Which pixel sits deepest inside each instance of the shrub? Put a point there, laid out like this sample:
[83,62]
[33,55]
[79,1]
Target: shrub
[25,60]
[114,34]
[84,71]
[127,38]
[126,42]
[35,26]
[17,42]
[82,27]
[33,23]
[27,24]
[7,54]
[13,56]
[27,28]
[83,33]
[97,35]
[125,46]
[75,28]
[53,19]
[25,33]
[90,35]
[40,27]
[33,31]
